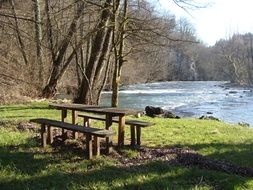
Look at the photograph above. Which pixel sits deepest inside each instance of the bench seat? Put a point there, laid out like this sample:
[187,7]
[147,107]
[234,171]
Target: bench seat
[46,134]
[135,126]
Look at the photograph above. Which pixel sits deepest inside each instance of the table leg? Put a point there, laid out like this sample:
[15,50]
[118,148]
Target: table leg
[43,135]
[89,146]
[49,135]
[97,146]
[74,116]
[63,118]
[64,114]
[133,141]
[108,126]
[121,131]
[86,122]
[138,131]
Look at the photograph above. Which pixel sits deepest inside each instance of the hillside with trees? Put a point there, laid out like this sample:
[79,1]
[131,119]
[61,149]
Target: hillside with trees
[83,47]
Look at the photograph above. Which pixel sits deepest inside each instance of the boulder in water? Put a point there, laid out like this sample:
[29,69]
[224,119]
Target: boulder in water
[209,118]
[243,124]
[159,112]
[169,114]
[153,111]
[232,92]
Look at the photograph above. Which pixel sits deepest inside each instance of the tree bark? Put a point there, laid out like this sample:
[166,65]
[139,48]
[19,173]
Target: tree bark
[49,30]
[96,54]
[18,34]
[119,58]
[56,74]
[38,40]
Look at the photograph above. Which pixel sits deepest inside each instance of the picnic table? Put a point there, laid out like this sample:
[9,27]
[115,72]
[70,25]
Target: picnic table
[109,113]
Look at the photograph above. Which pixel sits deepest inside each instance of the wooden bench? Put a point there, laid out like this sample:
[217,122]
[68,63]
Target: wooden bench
[135,126]
[91,133]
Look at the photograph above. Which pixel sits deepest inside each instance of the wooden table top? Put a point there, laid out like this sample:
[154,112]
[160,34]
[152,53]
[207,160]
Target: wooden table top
[96,109]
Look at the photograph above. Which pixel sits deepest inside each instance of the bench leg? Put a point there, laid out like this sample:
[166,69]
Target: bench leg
[43,135]
[138,131]
[49,135]
[132,127]
[97,146]
[108,126]
[108,145]
[89,145]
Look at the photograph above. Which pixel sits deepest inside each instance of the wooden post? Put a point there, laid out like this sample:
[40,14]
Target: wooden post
[97,146]
[74,116]
[64,114]
[138,131]
[86,122]
[89,146]
[132,135]
[108,126]
[49,135]
[121,131]
[43,135]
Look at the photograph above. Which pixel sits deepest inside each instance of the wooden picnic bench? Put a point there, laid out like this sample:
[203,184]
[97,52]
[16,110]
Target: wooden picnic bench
[108,112]
[89,132]
[135,126]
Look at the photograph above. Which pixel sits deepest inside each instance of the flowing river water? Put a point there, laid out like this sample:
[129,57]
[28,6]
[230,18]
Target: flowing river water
[190,99]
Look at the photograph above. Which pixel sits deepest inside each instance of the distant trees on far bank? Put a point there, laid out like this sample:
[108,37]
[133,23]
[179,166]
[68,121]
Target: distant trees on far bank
[229,59]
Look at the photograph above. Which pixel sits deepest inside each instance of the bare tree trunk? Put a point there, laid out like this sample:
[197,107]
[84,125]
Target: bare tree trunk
[38,39]
[95,55]
[107,70]
[20,41]
[81,51]
[57,72]
[120,58]
[49,30]
[250,62]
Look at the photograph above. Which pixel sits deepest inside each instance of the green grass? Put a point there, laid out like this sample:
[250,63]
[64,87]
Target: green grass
[23,112]
[25,165]
[214,139]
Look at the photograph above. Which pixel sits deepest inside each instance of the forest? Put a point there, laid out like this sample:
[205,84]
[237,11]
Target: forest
[82,47]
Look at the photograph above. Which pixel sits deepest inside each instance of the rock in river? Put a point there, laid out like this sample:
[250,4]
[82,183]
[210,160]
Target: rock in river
[153,111]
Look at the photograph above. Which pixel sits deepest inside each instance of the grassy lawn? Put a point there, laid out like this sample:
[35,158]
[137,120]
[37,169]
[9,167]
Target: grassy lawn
[25,165]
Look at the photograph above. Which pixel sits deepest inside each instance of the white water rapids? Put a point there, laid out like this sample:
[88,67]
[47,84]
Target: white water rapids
[190,99]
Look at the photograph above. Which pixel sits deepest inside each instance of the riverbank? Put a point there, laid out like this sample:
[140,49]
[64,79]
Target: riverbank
[63,166]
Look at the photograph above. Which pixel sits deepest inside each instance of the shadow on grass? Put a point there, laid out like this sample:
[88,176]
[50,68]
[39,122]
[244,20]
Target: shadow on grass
[30,158]
[156,175]
[23,159]
[43,170]
[239,154]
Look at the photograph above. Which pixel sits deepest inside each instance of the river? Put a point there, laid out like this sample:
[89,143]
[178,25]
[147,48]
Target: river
[190,99]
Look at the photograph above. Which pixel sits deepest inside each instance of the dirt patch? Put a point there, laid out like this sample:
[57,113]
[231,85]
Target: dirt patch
[184,157]
[172,156]
[27,126]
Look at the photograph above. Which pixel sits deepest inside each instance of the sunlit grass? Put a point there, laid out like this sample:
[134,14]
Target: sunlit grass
[20,112]
[25,165]
[215,139]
